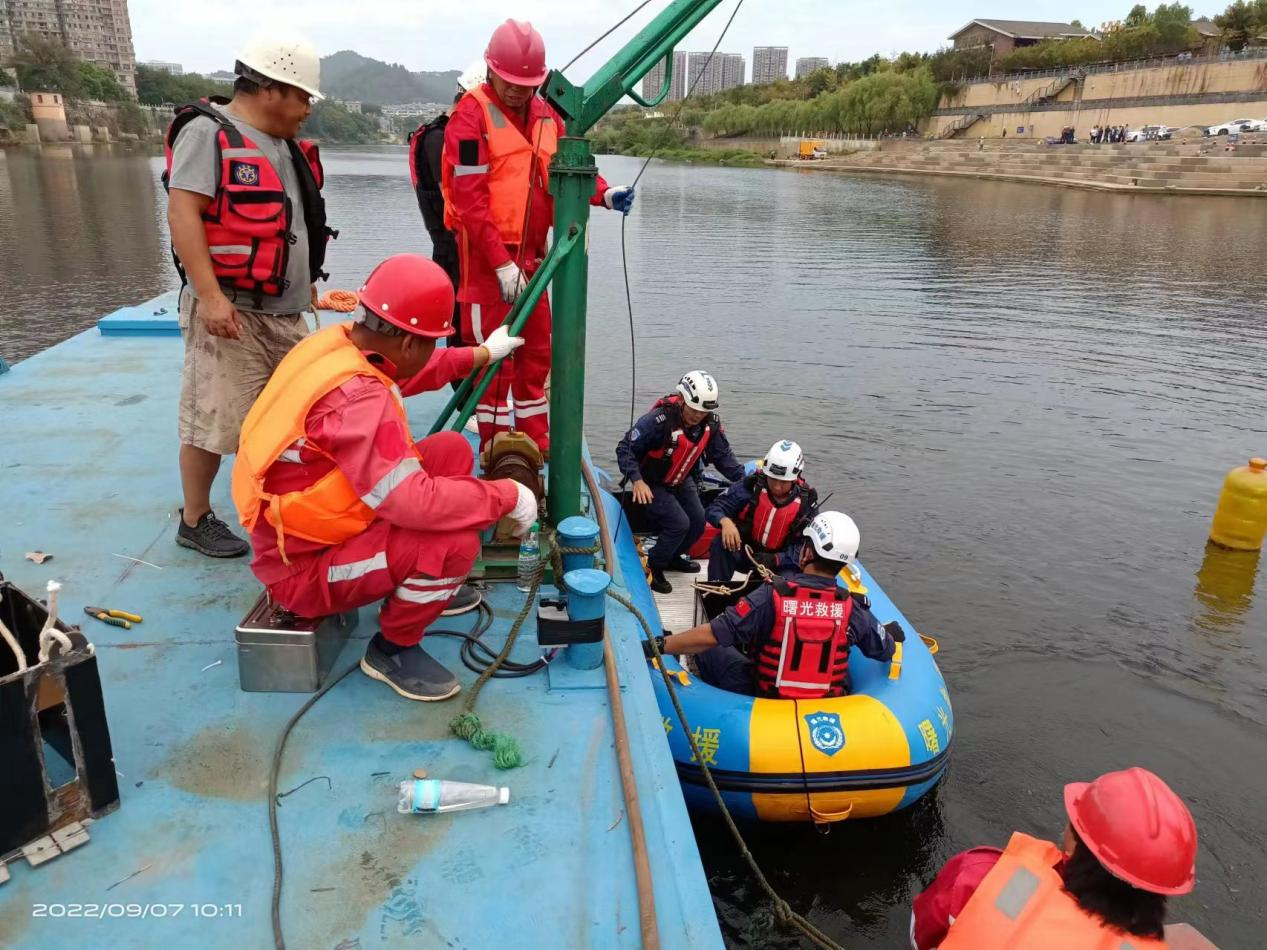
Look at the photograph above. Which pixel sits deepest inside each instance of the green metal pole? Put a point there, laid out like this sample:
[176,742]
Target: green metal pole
[573,175]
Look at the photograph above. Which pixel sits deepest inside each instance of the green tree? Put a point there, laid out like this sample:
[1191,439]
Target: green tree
[45,65]
[15,116]
[1138,15]
[97,82]
[1243,23]
[157,86]
[5,78]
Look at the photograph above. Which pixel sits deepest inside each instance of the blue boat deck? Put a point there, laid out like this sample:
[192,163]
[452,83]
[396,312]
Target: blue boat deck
[88,474]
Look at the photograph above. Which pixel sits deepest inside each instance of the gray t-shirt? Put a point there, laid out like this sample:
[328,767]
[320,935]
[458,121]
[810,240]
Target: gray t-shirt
[194,169]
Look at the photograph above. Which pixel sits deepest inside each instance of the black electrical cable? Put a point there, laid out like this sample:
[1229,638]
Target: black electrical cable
[477,656]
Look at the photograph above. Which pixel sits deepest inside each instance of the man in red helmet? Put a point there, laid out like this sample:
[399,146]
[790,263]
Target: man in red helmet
[495,179]
[343,507]
[1129,842]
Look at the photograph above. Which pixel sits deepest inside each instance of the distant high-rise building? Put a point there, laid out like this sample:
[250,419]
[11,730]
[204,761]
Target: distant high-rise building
[768,64]
[806,65]
[653,82]
[96,31]
[705,77]
[174,68]
[222,75]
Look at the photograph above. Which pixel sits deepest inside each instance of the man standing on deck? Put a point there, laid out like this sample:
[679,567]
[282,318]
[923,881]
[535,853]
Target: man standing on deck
[663,456]
[344,508]
[766,511]
[495,178]
[426,151]
[248,227]
[790,638]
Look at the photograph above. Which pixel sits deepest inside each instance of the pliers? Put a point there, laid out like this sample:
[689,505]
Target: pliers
[116,618]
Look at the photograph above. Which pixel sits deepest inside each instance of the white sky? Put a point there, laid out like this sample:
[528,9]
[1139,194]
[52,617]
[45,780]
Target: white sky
[204,35]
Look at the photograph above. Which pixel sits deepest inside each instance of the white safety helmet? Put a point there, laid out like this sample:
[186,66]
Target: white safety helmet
[698,390]
[474,75]
[834,536]
[784,461]
[289,61]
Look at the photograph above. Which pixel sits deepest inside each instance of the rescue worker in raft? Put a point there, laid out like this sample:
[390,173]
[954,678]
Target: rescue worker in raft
[495,179]
[343,507]
[663,456]
[790,638]
[248,227]
[1129,842]
[767,511]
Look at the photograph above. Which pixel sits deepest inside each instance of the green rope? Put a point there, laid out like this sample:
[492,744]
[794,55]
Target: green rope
[782,909]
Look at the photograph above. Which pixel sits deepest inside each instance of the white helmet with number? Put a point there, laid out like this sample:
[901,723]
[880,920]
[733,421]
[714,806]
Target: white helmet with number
[289,61]
[474,75]
[834,536]
[698,390]
[784,461]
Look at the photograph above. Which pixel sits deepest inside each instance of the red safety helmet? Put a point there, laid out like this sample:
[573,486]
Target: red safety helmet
[411,292]
[517,53]
[1138,828]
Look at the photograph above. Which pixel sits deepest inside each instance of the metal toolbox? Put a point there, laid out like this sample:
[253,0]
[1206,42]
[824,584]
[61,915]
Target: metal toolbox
[280,652]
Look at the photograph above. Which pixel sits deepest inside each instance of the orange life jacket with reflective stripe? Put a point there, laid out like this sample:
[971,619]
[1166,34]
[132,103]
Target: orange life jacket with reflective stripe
[510,167]
[1022,903]
[329,510]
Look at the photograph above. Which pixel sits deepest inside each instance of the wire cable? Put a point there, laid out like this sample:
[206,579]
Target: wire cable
[630,16]
[477,656]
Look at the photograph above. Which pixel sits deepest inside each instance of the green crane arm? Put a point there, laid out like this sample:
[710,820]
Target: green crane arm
[583,106]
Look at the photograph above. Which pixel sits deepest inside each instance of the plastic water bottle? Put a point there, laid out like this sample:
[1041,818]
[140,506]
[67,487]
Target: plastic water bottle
[429,796]
[529,557]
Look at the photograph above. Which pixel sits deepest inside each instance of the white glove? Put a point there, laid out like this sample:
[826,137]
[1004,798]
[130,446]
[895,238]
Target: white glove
[525,510]
[512,280]
[500,344]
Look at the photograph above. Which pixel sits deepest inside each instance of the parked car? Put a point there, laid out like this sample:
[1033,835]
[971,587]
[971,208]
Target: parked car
[1150,133]
[1236,125]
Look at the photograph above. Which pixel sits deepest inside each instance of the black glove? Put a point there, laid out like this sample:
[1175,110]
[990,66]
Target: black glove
[894,629]
[646,647]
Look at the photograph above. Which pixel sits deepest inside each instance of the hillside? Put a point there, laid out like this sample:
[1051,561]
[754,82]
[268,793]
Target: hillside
[349,75]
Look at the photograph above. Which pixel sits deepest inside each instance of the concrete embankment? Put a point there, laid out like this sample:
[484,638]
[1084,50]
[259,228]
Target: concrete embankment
[1204,168]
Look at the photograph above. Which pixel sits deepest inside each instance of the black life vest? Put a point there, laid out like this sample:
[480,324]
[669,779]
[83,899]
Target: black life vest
[250,219]
[425,182]
[806,654]
[767,524]
[678,454]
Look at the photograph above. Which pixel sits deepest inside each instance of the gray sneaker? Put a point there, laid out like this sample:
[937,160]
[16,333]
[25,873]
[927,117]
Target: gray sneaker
[412,672]
[466,599]
[211,537]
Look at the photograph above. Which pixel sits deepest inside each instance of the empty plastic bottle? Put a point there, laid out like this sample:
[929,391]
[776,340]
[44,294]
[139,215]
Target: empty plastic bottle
[530,557]
[1240,520]
[427,796]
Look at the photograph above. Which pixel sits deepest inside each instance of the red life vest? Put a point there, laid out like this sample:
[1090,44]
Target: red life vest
[766,523]
[249,221]
[678,455]
[806,654]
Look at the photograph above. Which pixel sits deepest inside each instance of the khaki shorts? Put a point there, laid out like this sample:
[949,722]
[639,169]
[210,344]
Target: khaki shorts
[223,378]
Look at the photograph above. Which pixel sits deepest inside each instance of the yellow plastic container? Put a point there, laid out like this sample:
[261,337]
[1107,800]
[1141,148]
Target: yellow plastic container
[1240,520]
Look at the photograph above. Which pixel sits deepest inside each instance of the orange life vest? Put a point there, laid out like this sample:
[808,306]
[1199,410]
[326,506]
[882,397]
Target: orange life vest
[510,167]
[1022,903]
[329,510]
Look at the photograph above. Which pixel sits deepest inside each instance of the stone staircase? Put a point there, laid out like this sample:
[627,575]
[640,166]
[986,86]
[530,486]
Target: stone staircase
[1148,165]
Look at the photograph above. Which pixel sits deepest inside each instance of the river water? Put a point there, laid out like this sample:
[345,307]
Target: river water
[1026,396]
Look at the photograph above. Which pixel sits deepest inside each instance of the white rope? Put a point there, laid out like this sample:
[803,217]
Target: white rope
[18,654]
[49,634]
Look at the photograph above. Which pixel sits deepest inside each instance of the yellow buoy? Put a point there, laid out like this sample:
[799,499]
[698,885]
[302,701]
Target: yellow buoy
[1240,520]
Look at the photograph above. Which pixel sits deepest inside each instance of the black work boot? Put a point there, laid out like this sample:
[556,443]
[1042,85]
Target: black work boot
[466,599]
[658,582]
[211,537]
[411,671]
[683,565]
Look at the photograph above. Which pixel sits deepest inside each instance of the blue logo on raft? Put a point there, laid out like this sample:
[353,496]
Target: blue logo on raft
[825,732]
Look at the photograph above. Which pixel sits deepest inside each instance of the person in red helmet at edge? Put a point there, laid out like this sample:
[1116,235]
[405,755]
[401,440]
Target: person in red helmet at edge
[495,180]
[1128,844]
[343,507]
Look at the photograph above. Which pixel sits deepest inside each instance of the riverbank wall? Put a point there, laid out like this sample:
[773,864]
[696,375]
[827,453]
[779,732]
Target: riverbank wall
[1191,94]
[1206,168]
